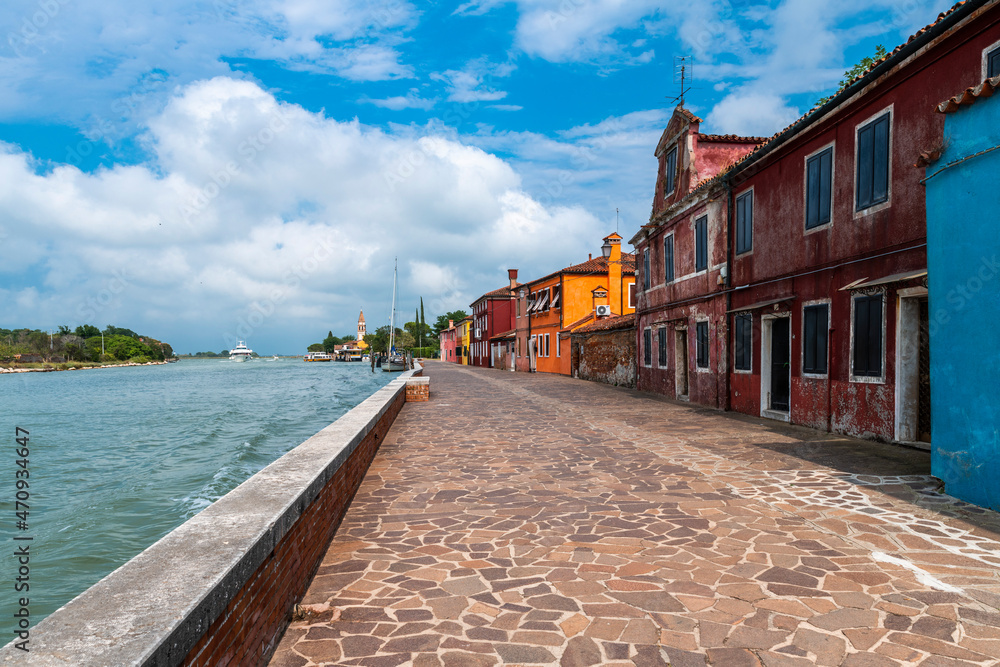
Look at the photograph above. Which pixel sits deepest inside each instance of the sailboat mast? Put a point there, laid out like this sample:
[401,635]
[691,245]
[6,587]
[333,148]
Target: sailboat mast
[392,313]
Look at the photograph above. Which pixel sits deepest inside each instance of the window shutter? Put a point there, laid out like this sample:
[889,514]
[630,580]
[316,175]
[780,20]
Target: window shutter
[668,258]
[875,335]
[865,166]
[880,160]
[993,66]
[813,177]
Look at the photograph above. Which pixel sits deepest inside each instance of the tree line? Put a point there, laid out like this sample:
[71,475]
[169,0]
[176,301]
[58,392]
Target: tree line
[84,343]
[415,336]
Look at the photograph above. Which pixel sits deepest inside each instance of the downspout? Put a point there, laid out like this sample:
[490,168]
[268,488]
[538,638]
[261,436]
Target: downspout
[727,402]
[831,351]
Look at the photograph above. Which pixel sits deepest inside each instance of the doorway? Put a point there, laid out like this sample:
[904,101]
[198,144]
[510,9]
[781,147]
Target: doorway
[913,373]
[681,363]
[776,367]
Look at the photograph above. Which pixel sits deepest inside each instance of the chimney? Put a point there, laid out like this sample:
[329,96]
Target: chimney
[590,256]
[451,324]
[512,274]
[614,257]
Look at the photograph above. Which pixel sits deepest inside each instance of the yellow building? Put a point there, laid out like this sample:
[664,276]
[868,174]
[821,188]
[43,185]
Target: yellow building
[464,339]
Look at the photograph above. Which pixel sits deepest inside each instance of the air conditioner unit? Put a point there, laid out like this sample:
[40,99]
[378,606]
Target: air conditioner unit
[603,311]
[479,332]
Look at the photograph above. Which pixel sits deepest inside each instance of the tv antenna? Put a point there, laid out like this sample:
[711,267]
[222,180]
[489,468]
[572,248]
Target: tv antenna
[683,74]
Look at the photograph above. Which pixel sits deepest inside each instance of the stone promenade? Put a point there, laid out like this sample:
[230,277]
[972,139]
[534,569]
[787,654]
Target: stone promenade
[540,520]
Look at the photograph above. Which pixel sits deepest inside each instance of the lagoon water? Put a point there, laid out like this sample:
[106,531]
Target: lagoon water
[121,456]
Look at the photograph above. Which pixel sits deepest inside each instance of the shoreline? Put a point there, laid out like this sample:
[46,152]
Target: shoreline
[10,370]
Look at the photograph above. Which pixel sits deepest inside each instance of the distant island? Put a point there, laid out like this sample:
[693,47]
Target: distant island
[83,347]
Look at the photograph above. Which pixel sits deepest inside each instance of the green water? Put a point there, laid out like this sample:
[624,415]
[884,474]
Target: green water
[121,456]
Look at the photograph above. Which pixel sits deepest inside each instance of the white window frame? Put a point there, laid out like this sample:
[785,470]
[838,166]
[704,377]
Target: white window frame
[829,322]
[632,288]
[743,371]
[708,324]
[671,235]
[986,64]
[854,176]
[643,360]
[833,187]
[868,379]
[753,218]
[661,332]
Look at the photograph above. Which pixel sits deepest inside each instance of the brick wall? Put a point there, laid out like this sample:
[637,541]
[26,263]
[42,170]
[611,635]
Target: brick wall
[249,629]
[605,356]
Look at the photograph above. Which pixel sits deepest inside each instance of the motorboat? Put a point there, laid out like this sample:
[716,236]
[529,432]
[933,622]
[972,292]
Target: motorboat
[318,356]
[241,352]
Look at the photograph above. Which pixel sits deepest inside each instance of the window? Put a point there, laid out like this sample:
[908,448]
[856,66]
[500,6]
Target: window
[631,295]
[701,330]
[645,269]
[647,347]
[814,339]
[744,222]
[661,340]
[670,171]
[743,334]
[701,244]
[819,177]
[993,63]
[868,336]
[873,163]
[668,258]
[547,344]
[558,346]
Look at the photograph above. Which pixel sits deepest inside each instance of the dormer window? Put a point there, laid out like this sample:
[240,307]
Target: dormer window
[670,172]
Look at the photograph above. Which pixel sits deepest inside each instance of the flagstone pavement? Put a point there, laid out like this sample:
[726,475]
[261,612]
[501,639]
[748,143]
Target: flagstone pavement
[540,520]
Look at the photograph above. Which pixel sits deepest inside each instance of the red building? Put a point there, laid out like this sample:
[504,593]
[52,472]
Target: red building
[818,313]
[492,316]
[448,341]
[681,258]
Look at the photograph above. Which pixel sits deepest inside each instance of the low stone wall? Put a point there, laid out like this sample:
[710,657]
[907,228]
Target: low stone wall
[220,588]
[605,356]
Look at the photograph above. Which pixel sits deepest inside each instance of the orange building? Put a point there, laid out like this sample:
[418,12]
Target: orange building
[547,310]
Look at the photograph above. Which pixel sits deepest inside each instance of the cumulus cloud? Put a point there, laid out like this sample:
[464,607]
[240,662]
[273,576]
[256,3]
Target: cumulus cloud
[258,218]
[475,82]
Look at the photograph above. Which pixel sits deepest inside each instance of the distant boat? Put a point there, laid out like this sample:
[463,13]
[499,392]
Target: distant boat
[317,356]
[241,352]
[274,358]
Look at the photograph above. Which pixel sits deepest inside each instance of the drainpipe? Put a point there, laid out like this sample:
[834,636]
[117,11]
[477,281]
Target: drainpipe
[829,373]
[727,402]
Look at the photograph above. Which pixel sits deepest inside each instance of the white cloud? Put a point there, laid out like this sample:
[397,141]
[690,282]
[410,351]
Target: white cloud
[751,113]
[475,81]
[412,100]
[259,218]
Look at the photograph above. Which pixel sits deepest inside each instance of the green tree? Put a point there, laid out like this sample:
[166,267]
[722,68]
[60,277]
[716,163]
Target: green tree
[316,347]
[378,342]
[442,321]
[330,342]
[860,68]
[87,331]
[405,340]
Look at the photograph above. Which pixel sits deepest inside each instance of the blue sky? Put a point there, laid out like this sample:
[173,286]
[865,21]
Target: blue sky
[211,170]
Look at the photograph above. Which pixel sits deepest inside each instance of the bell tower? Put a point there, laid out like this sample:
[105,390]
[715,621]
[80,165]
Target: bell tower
[361,325]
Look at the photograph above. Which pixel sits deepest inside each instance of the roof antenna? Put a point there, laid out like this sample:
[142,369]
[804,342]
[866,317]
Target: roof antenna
[616,220]
[683,71]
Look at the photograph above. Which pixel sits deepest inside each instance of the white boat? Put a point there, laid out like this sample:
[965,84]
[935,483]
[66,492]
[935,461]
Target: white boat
[241,352]
[318,356]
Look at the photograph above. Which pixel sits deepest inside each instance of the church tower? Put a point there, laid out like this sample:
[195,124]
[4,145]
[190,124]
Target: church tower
[361,325]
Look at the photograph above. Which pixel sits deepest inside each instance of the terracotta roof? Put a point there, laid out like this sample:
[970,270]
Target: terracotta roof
[505,334]
[600,265]
[610,324]
[687,114]
[502,291]
[970,96]
[730,138]
[569,327]
[821,105]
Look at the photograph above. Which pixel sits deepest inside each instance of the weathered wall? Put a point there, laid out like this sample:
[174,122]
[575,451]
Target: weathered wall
[219,589]
[964,288]
[605,356]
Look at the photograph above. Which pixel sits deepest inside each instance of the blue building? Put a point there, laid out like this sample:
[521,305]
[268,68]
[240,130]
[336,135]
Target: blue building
[963,261]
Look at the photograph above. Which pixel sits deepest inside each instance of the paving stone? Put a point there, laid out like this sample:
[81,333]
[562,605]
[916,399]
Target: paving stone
[554,520]
[580,652]
[524,654]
